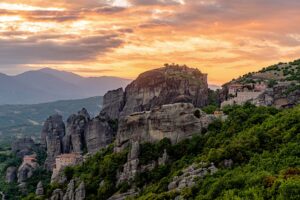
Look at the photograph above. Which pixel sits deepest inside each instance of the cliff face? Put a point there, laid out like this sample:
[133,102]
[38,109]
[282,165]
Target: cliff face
[52,138]
[174,121]
[113,103]
[171,84]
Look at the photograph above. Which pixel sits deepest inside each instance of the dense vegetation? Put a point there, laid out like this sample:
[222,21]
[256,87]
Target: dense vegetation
[26,120]
[262,142]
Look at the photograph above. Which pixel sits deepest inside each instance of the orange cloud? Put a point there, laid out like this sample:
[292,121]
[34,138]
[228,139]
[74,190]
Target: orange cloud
[126,37]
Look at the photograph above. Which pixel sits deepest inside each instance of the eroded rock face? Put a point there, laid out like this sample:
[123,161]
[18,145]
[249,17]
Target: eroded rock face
[11,174]
[167,85]
[99,134]
[113,103]
[174,121]
[23,146]
[52,138]
[24,172]
[74,140]
[39,189]
[190,175]
[57,195]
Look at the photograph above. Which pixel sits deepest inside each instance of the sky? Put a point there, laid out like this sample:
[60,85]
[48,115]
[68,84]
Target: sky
[224,38]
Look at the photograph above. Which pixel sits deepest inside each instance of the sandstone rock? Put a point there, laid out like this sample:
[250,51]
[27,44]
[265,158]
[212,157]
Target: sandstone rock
[52,138]
[57,195]
[190,175]
[27,168]
[70,195]
[113,103]
[167,85]
[164,159]
[123,196]
[11,174]
[80,192]
[174,121]
[23,146]
[74,140]
[99,134]
[39,189]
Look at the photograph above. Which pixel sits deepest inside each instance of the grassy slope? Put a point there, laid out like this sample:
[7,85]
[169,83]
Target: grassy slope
[21,120]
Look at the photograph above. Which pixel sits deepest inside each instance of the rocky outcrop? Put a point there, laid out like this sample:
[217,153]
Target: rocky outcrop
[57,195]
[24,172]
[80,192]
[74,140]
[23,146]
[123,196]
[52,138]
[39,189]
[72,193]
[190,175]
[130,168]
[167,85]
[113,103]
[11,174]
[99,134]
[174,121]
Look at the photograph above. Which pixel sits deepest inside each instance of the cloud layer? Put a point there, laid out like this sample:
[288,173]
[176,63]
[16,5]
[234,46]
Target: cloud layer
[223,38]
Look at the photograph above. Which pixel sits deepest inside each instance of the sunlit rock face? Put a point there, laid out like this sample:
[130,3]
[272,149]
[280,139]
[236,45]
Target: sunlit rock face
[167,85]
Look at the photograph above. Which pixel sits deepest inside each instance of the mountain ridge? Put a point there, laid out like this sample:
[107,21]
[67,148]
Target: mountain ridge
[47,85]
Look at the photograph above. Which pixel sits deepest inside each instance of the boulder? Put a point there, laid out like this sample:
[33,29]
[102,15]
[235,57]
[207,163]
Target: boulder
[11,174]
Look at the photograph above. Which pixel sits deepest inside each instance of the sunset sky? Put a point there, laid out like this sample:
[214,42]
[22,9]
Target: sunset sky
[224,38]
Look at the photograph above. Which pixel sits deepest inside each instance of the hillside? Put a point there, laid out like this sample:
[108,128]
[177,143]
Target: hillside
[47,85]
[277,85]
[255,154]
[27,120]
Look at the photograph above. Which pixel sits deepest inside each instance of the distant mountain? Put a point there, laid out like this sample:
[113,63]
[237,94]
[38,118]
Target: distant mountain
[27,120]
[48,85]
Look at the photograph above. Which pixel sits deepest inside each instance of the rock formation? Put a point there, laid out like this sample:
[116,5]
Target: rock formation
[167,85]
[113,103]
[171,84]
[72,193]
[23,146]
[99,134]
[74,140]
[11,174]
[174,121]
[26,169]
[52,138]
[190,175]
[39,189]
